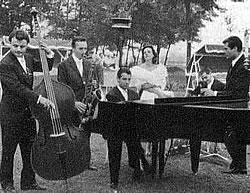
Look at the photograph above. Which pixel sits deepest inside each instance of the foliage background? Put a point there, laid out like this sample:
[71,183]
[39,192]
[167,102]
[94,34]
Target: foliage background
[158,22]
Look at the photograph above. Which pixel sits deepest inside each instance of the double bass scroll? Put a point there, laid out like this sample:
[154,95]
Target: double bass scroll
[60,150]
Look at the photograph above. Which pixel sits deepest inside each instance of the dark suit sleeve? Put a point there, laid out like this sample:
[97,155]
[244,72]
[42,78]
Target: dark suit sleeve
[132,95]
[112,98]
[238,85]
[9,78]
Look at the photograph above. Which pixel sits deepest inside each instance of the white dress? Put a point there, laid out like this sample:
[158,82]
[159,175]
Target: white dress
[157,77]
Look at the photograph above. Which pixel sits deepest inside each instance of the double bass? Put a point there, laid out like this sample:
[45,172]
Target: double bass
[60,149]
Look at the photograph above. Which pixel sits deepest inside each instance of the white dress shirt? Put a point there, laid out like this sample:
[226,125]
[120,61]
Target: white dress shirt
[21,60]
[124,92]
[78,64]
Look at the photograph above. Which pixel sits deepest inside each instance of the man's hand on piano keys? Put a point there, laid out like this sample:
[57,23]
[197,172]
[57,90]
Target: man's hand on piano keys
[207,92]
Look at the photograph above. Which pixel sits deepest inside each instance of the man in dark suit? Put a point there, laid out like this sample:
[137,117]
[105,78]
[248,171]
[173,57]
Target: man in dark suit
[75,72]
[237,86]
[17,124]
[135,151]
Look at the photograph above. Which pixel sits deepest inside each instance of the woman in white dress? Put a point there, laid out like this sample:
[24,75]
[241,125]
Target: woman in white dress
[150,79]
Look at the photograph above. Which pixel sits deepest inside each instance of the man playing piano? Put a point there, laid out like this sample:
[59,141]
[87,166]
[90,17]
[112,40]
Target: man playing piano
[207,81]
[237,86]
[135,151]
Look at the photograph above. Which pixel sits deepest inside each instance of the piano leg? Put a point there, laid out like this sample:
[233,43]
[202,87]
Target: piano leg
[154,157]
[161,157]
[114,155]
[195,146]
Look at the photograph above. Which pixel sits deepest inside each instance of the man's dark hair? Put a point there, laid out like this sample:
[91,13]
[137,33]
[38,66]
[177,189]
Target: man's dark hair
[154,60]
[123,70]
[234,41]
[19,35]
[206,70]
[77,39]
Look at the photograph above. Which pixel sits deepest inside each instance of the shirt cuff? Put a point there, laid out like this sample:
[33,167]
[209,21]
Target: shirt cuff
[38,100]
[215,93]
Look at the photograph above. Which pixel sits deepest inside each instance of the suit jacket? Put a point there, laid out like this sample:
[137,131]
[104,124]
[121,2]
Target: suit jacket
[116,96]
[217,85]
[69,74]
[237,80]
[17,87]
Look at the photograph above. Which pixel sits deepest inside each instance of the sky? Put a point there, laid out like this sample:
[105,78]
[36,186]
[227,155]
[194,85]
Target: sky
[233,21]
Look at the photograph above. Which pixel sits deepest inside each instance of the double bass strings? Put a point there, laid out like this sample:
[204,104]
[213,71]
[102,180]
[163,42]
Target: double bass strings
[54,113]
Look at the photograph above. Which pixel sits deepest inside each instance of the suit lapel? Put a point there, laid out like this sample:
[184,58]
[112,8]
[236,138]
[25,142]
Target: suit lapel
[234,68]
[74,68]
[17,64]
[29,65]
[119,94]
[27,77]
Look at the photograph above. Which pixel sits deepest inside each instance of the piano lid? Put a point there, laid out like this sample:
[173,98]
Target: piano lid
[198,100]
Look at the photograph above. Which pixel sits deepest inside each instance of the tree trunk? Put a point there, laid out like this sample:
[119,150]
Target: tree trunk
[137,59]
[188,21]
[158,49]
[128,52]
[133,53]
[166,56]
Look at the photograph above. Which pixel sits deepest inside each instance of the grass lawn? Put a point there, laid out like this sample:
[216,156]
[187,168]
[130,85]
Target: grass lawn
[177,178]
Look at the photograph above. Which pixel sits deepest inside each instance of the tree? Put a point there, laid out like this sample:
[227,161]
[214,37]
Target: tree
[158,22]
[15,13]
[164,22]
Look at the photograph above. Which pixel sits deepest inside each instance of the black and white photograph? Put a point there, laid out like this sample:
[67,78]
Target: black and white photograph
[124,96]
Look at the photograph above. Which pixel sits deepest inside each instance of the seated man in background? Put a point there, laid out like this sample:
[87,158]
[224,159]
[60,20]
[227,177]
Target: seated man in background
[207,81]
[135,151]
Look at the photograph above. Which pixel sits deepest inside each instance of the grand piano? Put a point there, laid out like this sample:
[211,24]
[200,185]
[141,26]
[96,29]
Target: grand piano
[194,118]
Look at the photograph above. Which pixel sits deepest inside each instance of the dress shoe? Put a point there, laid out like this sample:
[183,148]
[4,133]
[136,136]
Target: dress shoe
[9,189]
[236,171]
[34,186]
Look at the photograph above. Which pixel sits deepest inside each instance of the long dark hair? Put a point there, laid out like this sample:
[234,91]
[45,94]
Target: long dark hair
[154,59]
